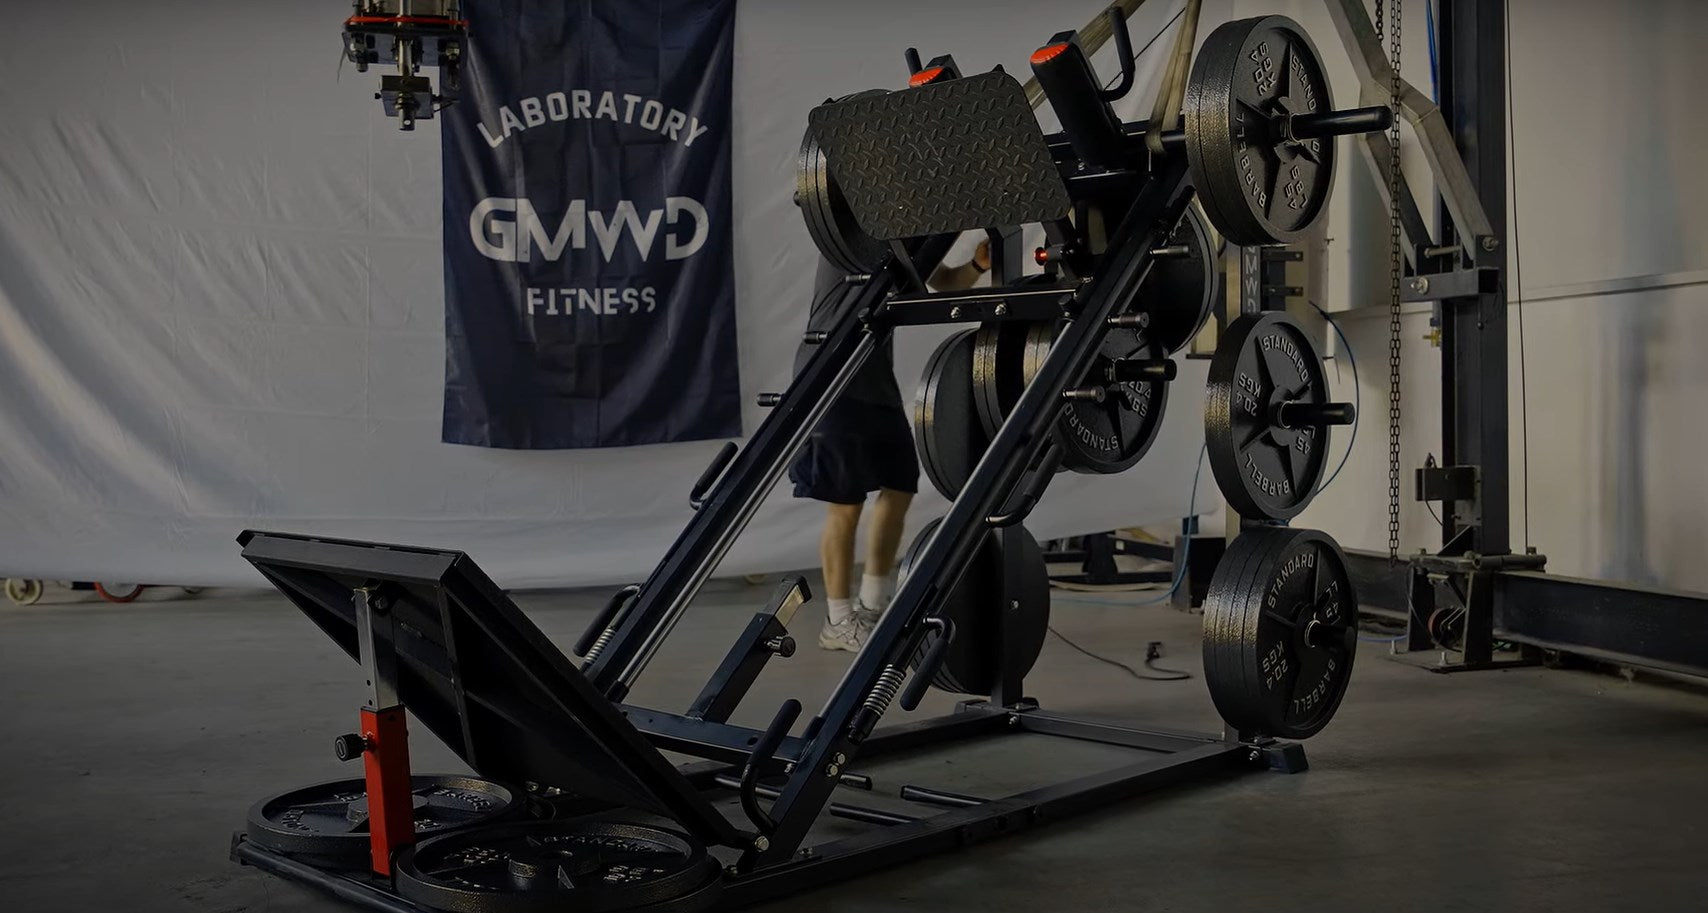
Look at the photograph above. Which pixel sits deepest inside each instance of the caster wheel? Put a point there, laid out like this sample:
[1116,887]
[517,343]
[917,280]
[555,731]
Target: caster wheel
[23,591]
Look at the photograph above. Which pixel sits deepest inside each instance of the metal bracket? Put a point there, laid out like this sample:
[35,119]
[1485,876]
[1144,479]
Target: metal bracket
[1375,75]
[1464,283]
[1446,483]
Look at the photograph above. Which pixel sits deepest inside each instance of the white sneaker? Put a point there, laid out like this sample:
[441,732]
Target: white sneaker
[850,633]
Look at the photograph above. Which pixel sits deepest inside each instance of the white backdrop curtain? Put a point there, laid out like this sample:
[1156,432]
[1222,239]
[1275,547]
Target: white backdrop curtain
[220,300]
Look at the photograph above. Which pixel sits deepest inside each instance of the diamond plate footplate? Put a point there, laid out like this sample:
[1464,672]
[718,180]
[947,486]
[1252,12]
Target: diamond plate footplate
[950,157]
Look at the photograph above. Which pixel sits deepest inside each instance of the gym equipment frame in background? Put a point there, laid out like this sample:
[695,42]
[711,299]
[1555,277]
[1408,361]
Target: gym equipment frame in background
[1506,596]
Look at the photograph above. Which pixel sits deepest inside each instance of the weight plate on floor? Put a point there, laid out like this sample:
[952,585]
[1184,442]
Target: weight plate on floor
[946,427]
[1265,469]
[1280,632]
[330,821]
[576,864]
[829,220]
[1181,292]
[973,664]
[1109,436]
[1256,186]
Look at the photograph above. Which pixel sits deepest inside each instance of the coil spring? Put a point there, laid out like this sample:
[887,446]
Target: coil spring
[604,638]
[885,691]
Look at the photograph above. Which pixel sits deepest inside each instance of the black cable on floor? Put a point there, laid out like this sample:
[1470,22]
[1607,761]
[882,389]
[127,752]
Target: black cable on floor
[1169,675]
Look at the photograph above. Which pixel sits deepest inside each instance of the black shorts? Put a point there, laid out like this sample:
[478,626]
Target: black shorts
[858,448]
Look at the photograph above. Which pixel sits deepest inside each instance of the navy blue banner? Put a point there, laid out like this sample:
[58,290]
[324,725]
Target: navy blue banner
[589,297]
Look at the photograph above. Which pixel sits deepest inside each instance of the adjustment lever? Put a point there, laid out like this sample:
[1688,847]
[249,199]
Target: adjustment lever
[762,753]
[697,495]
[1123,52]
[1033,492]
[928,666]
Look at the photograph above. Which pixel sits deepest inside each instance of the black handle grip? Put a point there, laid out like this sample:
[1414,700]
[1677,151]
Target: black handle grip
[911,55]
[1123,52]
[1068,81]
[1340,123]
[762,752]
[603,620]
[1033,492]
[927,668]
[697,495]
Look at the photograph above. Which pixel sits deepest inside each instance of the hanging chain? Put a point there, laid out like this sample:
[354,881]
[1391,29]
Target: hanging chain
[1395,271]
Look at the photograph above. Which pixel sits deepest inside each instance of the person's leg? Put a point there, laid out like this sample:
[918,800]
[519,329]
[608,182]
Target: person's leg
[836,550]
[889,519]
[842,628]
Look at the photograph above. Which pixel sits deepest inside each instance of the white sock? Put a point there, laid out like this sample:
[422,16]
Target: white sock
[840,610]
[875,592]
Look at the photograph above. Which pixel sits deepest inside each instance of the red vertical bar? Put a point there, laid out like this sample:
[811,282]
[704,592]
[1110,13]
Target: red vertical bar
[391,806]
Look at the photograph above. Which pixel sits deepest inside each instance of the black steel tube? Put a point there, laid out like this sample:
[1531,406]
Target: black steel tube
[929,796]
[838,809]
[750,477]
[336,885]
[943,560]
[1340,123]
[1300,414]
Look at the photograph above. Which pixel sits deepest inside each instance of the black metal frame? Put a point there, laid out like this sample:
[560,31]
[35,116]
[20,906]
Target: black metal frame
[1095,553]
[1141,198]
[1163,758]
[1504,595]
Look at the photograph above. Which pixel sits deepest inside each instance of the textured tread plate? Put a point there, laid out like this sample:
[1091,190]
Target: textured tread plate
[950,157]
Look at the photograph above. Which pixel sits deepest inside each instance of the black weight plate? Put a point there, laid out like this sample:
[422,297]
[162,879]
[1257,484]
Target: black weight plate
[1256,187]
[1280,632]
[1264,470]
[1181,293]
[1107,437]
[946,428]
[997,374]
[829,220]
[330,820]
[576,864]
[973,664]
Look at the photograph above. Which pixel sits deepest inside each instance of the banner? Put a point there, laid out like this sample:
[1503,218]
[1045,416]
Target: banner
[589,293]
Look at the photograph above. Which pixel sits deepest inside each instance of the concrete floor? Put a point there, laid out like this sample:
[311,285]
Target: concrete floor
[137,736]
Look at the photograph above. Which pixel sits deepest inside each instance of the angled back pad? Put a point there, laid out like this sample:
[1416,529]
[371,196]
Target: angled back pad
[948,157]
